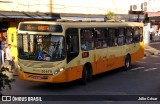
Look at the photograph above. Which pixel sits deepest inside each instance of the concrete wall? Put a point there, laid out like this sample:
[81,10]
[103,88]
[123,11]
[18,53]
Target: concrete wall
[146,33]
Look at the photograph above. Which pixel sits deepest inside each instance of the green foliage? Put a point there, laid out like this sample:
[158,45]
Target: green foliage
[4,80]
[110,15]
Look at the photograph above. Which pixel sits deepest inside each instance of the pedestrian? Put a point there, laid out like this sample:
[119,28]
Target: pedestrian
[158,32]
[151,33]
[9,58]
[2,51]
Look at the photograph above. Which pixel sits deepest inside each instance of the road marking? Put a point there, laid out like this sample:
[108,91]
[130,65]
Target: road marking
[137,68]
[141,62]
[155,56]
[150,69]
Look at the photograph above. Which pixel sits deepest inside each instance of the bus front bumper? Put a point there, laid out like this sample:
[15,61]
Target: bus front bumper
[43,78]
[66,76]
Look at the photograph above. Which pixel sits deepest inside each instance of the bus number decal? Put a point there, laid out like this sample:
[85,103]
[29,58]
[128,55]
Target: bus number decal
[85,54]
[47,71]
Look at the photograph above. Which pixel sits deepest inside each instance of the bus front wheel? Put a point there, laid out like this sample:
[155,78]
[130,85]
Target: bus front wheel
[86,75]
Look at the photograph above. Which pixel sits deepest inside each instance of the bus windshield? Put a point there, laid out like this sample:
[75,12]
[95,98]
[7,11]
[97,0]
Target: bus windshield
[41,47]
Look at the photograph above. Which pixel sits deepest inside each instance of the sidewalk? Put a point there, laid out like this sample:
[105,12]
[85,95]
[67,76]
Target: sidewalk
[10,75]
[152,49]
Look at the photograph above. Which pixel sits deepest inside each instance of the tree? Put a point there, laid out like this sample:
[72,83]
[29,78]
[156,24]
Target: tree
[4,80]
[110,15]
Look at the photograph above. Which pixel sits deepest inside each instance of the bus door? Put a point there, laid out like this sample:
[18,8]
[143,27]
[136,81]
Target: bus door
[72,48]
[12,39]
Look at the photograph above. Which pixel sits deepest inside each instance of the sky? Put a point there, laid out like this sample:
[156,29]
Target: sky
[79,6]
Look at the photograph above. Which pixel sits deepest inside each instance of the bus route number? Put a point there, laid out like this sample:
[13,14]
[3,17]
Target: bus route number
[47,71]
[85,54]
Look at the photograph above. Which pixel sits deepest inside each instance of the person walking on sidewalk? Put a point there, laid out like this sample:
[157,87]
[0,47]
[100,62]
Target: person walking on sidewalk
[2,51]
[9,57]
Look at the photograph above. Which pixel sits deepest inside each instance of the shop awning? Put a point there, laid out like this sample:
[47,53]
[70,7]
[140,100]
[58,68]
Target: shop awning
[153,14]
[28,15]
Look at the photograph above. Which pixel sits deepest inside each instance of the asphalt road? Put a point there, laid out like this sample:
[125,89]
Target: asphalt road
[142,79]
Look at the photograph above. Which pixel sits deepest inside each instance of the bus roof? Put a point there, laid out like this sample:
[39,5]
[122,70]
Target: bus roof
[77,24]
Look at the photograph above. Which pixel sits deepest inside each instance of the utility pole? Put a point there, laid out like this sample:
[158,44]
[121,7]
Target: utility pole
[50,6]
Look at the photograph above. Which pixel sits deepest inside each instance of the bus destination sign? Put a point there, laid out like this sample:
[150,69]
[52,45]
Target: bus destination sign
[40,27]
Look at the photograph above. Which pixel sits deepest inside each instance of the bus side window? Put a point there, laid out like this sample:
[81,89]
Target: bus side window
[141,34]
[129,35]
[121,36]
[100,40]
[112,39]
[72,42]
[137,34]
[87,39]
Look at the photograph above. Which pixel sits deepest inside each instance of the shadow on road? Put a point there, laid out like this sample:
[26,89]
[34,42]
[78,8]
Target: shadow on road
[60,87]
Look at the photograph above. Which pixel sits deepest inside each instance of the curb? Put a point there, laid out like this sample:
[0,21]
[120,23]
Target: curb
[151,53]
[10,75]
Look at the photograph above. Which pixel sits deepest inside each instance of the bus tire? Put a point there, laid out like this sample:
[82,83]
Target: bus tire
[127,62]
[86,74]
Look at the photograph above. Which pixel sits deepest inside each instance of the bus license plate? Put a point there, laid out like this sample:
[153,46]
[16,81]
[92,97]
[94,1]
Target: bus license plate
[37,77]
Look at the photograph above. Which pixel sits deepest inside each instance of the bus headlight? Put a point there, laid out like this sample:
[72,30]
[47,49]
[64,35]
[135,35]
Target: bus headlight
[58,71]
[61,69]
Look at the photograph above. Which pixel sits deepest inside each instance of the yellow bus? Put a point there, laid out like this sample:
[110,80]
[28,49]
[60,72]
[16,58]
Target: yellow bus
[59,52]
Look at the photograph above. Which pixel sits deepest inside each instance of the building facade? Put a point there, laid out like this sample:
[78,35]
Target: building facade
[80,6]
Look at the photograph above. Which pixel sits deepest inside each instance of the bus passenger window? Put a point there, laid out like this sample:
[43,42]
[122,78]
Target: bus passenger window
[121,36]
[112,39]
[129,35]
[101,36]
[141,34]
[87,41]
[137,34]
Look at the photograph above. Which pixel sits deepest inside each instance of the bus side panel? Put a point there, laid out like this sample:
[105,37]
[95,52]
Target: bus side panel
[115,57]
[110,58]
[139,53]
[74,73]
[101,60]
